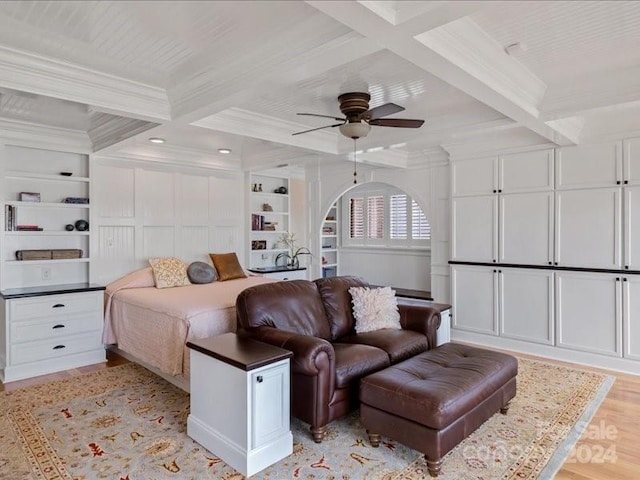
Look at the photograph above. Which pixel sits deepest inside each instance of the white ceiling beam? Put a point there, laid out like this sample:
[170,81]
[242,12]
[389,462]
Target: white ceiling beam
[53,78]
[452,55]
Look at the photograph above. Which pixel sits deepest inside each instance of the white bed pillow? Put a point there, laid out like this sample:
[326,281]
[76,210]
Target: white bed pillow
[374,309]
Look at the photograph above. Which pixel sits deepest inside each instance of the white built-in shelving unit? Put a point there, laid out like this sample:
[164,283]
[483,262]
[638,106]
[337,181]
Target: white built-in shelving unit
[329,243]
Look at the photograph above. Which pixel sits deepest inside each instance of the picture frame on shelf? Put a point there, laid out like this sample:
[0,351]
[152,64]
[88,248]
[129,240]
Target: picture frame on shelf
[258,244]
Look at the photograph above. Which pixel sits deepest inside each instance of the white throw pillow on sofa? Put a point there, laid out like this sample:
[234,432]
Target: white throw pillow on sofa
[374,309]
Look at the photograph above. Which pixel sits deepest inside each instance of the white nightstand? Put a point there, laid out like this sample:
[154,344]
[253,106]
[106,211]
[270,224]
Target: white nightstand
[281,273]
[240,401]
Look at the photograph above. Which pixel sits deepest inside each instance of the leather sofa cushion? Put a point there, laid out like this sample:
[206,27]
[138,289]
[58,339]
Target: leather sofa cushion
[336,298]
[439,386]
[355,361]
[399,344]
[294,306]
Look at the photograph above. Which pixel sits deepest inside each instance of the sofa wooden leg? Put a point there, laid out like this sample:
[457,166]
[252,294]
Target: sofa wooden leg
[318,433]
[434,467]
[505,409]
[374,439]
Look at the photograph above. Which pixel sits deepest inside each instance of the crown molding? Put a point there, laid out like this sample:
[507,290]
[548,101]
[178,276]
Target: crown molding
[178,156]
[251,124]
[466,45]
[430,157]
[26,134]
[511,141]
[32,73]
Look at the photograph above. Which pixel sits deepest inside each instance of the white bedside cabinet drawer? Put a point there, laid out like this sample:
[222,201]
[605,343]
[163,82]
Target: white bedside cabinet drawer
[54,348]
[56,327]
[290,275]
[46,306]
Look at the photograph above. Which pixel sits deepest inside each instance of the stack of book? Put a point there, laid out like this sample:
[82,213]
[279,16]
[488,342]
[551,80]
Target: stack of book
[28,228]
[257,222]
[9,218]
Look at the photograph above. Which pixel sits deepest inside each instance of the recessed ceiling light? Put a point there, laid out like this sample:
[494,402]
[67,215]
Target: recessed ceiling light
[156,140]
[224,150]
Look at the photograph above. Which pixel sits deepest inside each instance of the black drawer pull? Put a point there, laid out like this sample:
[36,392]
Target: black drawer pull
[58,347]
[58,305]
[58,326]
[259,379]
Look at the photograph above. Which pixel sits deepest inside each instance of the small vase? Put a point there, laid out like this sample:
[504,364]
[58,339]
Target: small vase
[293,262]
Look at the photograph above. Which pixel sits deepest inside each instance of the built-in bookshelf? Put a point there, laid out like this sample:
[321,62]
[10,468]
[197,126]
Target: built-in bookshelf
[329,243]
[269,216]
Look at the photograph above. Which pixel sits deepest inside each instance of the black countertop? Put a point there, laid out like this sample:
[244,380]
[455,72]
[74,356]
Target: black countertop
[274,269]
[42,290]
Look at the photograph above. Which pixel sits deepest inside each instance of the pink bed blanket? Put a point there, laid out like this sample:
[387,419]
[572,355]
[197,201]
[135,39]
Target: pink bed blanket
[154,324]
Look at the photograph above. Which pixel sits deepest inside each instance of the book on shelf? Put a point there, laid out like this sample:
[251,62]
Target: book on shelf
[9,218]
[28,228]
[257,222]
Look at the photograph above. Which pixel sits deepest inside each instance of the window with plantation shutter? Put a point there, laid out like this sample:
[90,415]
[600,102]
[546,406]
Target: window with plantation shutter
[383,216]
[375,217]
[356,218]
[420,228]
[398,217]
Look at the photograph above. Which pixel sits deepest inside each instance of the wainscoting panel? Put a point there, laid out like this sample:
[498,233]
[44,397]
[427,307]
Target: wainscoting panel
[113,191]
[158,241]
[225,239]
[193,244]
[155,196]
[193,205]
[226,201]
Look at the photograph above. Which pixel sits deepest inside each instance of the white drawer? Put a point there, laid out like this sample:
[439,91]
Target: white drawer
[58,305]
[54,348]
[290,275]
[55,327]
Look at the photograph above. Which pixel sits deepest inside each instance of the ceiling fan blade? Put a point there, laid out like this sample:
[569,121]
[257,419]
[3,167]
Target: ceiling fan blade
[397,122]
[322,116]
[382,111]
[319,128]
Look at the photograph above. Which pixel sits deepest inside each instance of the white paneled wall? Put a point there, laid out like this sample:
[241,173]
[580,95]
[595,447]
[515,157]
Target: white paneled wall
[144,211]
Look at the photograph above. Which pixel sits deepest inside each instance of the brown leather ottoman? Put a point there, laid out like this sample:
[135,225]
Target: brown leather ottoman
[432,401]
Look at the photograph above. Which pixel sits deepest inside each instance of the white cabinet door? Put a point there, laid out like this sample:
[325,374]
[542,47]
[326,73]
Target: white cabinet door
[477,176]
[526,228]
[474,228]
[526,304]
[631,260]
[270,403]
[588,312]
[473,292]
[631,168]
[631,316]
[588,228]
[588,166]
[526,172]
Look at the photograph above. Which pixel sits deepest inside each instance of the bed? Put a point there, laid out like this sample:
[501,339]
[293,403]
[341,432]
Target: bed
[151,326]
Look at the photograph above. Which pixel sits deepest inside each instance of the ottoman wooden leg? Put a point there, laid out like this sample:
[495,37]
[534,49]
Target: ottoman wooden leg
[318,433]
[505,409]
[374,439]
[434,467]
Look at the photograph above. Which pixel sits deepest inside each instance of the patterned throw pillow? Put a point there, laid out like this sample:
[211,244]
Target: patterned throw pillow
[227,266]
[374,309]
[169,272]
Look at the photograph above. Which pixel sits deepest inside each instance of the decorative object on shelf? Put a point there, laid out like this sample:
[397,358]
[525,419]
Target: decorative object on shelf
[82,225]
[258,244]
[28,228]
[267,208]
[55,254]
[66,174]
[292,256]
[78,200]
[29,196]
[330,218]
[282,190]
[259,187]
[69,227]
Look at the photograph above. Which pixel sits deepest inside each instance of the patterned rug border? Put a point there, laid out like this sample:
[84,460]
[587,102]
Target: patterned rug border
[564,449]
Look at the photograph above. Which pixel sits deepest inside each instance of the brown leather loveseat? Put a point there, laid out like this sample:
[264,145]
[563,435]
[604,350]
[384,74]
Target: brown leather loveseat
[314,320]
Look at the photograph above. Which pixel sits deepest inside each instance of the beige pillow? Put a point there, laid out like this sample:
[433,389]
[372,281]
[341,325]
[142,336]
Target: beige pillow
[374,309]
[169,272]
[227,266]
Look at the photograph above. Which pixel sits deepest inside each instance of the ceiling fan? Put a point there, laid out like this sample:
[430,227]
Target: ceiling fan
[358,117]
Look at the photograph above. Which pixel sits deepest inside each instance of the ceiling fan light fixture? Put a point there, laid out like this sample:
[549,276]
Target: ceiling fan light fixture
[355,129]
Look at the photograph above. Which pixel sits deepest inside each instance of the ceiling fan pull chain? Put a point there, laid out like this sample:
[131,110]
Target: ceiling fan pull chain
[355,173]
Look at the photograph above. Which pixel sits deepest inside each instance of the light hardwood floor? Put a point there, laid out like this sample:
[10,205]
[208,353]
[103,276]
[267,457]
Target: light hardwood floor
[608,449]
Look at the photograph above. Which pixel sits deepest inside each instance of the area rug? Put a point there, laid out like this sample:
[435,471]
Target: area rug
[125,423]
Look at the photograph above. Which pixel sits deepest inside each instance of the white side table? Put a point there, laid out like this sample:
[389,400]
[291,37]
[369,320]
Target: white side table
[240,401]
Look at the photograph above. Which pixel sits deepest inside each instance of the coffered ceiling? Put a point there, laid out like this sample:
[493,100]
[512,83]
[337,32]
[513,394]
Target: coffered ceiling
[205,75]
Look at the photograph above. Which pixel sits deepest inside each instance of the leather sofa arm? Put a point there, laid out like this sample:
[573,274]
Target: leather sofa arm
[311,355]
[422,319]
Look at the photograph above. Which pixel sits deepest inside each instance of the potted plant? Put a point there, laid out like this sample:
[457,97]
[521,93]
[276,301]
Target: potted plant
[292,255]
